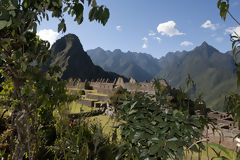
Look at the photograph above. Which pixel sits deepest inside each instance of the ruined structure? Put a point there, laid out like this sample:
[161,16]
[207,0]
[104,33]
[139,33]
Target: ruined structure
[104,88]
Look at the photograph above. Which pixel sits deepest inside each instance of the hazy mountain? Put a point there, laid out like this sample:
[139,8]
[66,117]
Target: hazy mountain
[68,53]
[212,71]
[140,66]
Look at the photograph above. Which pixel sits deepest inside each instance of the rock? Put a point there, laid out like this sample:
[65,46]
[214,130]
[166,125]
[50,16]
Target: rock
[132,80]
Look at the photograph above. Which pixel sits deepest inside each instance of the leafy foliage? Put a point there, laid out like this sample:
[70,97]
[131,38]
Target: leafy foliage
[30,94]
[152,129]
[223,6]
[232,101]
[81,139]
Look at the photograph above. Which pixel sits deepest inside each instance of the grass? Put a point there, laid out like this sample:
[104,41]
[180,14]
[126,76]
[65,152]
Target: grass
[98,94]
[74,89]
[88,99]
[75,107]
[101,102]
[104,120]
[207,155]
[108,124]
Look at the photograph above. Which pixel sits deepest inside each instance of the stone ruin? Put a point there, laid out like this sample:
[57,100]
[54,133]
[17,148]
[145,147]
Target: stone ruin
[224,122]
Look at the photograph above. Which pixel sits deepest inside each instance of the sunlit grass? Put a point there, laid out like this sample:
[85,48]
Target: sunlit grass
[108,125]
[206,154]
[98,94]
[106,122]
[75,107]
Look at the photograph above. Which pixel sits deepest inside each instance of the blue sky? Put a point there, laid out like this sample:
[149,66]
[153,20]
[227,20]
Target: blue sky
[152,26]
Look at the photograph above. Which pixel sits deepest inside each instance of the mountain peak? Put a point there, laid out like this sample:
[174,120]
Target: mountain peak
[208,48]
[71,36]
[99,49]
[205,44]
[117,50]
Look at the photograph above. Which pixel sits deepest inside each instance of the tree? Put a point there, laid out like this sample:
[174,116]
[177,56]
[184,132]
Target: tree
[30,94]
[154,128]
[232,101]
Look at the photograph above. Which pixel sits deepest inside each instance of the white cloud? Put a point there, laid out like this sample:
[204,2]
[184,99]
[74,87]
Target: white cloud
[48,35]
[209,24]
[186,43]
[168,28]
[158,39]
[145,39]
[118,28]
[151,33]
[144,45]
[233,30]
[219,39]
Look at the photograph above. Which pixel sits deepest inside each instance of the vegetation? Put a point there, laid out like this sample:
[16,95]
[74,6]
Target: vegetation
[232,101]
[214,80]
[39,126]
[30,94]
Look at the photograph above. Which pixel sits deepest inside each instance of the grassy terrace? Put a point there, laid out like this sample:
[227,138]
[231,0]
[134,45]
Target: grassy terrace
[106,122]
[99,94]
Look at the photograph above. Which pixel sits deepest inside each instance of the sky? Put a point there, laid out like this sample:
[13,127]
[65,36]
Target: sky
[155,27]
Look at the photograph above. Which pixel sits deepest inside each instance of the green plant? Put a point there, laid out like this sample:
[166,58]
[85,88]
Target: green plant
[30,94]
[229,155]
[81,139]
[152,129]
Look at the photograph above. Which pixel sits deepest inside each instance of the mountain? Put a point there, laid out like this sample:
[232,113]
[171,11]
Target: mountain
[212,71]
[68,53]
[140,66]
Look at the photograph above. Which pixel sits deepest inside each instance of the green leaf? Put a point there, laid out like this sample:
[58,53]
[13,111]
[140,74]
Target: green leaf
[220,147]
[105,16]
[34,27]
[78,8]
[14,3]
[92,13]
[153,149]
[4,24]
[172,139]
[61,25]
[24,67]
[133,105]
[4,15]
[65,9]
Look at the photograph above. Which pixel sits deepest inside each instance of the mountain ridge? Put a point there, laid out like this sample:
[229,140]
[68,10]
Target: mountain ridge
[212,70]
[69,55]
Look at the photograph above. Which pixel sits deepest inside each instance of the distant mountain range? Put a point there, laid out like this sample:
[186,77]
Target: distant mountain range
[68,53]
[140,66]
[212,71]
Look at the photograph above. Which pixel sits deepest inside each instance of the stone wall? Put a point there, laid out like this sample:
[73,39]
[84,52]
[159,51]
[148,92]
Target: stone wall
[105,87]
[224,121]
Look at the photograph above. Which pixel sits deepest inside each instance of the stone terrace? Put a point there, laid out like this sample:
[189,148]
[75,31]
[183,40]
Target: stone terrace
[104,87]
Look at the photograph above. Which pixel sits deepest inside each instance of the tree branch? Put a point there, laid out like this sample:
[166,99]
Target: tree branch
[203,140]
[234,18]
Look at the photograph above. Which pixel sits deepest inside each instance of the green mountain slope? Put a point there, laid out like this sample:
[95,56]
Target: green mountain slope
[68,53]
[212,71]
[140,66]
